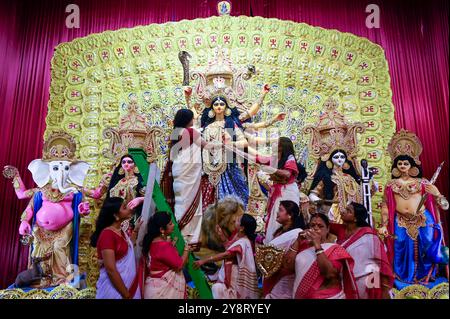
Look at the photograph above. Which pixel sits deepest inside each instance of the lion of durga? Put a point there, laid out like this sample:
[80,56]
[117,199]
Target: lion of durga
[224,214]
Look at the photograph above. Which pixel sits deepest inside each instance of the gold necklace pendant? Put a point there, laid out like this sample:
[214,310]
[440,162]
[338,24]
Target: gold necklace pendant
[407,189]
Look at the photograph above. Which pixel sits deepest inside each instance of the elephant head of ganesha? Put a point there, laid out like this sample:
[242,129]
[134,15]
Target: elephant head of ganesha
[58,165]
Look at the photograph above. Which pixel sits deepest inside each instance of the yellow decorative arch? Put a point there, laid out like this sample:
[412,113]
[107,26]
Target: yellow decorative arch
[94,77]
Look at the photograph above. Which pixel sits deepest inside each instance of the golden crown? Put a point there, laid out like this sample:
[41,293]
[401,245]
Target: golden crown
[221,79]
[333,132]
[133,132]
[405,142]
[59,146]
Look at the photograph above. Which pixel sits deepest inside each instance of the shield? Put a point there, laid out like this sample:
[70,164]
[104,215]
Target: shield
[268,259]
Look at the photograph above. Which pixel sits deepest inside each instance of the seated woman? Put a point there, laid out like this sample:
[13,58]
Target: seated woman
[237,276]
[115,251]
[322,270]
[284,184]
[164,277]
[373,272]
[280,284]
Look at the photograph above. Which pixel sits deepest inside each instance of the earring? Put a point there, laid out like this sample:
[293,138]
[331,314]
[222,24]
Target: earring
[413,171]
[211,114]
[329,164]
[346,165]
[136,170]
[395,172]
[227,112]
[121,171]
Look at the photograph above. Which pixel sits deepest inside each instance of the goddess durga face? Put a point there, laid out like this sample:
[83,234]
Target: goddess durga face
[219,106]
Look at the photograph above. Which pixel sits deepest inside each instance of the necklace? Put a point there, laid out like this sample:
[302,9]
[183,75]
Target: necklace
[118,232]
[405,189]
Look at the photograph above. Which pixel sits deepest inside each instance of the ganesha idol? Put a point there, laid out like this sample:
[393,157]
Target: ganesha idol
[51,219]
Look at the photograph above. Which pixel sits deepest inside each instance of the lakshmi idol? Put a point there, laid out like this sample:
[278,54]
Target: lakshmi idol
[410,215]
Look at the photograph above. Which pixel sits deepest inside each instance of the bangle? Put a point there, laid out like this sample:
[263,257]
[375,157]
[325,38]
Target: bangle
[318,252]
[292,249]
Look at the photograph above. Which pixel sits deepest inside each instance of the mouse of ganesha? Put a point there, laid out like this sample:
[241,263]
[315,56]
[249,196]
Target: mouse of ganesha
[411,227]
[51,219]
[335,180]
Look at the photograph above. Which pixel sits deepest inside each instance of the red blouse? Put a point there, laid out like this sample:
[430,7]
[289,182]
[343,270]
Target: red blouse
[164,257]
[109,239]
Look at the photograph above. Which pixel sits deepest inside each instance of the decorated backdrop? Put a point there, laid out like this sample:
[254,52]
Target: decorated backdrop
[413,36]
[95,77]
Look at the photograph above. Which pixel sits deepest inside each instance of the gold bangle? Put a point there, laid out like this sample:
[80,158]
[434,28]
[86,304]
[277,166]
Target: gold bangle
[319,252]
[292,249]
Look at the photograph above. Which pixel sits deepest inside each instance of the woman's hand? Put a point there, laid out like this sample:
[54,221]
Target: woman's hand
[313,237]
[135,202]
[431,189]
[198,264]
[127,295]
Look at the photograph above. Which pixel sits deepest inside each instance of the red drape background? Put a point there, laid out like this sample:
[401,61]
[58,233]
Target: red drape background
[414,35]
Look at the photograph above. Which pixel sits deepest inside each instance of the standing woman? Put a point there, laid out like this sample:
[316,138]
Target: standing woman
[115,251]
[368,252]
[322,270]
[237,276]
[280,284]
[164,277]
[185,156]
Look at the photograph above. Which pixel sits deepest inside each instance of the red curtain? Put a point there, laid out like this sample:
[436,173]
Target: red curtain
[414,35]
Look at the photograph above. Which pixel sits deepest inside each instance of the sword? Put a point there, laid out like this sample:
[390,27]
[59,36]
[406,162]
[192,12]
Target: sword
[432,181]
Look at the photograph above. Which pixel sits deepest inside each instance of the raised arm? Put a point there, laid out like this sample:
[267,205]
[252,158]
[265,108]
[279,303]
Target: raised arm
[21,191]
[187,95]
[256,106]
[259,125]
[98,192]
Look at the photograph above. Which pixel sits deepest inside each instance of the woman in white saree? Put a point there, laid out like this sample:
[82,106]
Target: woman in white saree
[237,276]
